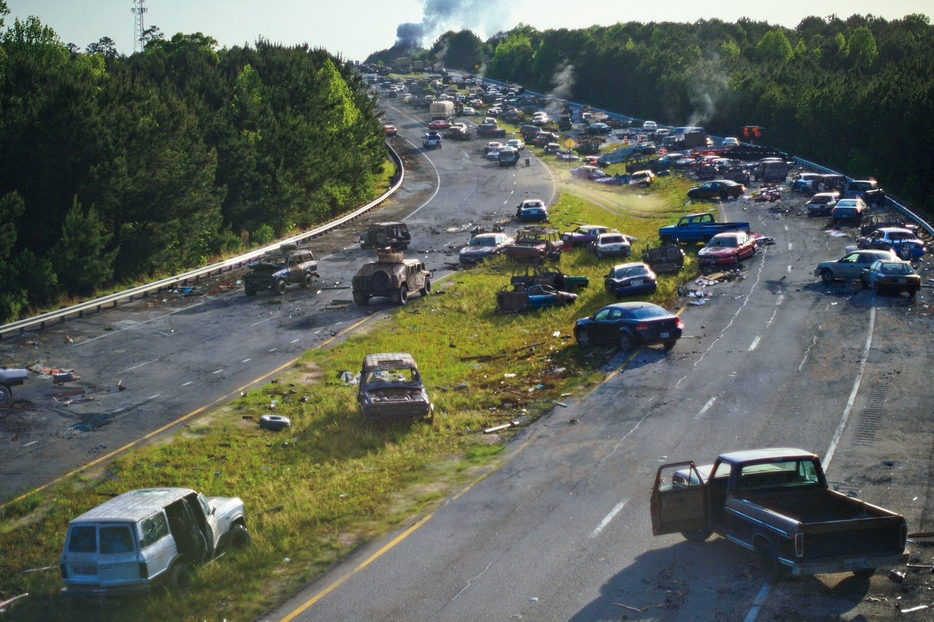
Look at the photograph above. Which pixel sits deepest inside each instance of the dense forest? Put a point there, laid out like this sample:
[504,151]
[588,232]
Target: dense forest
[856,94]
[116,168]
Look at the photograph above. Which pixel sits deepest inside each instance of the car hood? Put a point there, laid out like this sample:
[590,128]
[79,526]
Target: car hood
[478,250]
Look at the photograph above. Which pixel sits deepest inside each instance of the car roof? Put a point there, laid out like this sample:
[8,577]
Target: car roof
[730,234]
[632,264]
[895,230]
[770,453]
[388,360]
[634,304]
[134,505]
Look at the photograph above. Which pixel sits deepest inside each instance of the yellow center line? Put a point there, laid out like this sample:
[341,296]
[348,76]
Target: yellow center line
[233,394]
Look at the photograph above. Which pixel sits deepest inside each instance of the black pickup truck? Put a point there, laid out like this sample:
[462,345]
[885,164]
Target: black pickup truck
[776,503]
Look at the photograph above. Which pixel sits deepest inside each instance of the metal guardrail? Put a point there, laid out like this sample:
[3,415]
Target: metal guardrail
[889,201]
[99,304]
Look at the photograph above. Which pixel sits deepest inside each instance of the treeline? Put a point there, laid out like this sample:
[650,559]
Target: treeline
[856,94]
[114,168]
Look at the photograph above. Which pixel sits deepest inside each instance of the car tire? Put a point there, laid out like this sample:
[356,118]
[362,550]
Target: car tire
[361,300]
[627,342]
[249,291]
[238,537]
[280,286]
[669,345]
[582,337]
[6,396]
[771,568]
[904,252]
[307,281]
[696,535]
[724,196]
[426,289]
[402,295]
[912,292]
[179,579]
[599,254]
[827,276]
[274,423]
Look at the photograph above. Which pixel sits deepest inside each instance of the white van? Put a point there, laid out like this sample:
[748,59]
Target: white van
[146,538]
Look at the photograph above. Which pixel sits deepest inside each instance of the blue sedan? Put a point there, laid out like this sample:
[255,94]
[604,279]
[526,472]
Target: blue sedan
[630,279]
[630,324]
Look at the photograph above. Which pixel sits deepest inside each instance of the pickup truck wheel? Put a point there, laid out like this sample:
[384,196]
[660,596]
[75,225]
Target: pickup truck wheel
[626,342]
[238,537]
[427,289]
[864,573]
[307,281]
[696,535]
[6,396]
[826,276]
[668,346]
[280,286]
[249,291]
[771,568]
[179,578]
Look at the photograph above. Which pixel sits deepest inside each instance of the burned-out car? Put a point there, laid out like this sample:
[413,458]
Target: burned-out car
[147,538]
[391,388]
[8,379]
[523,298]
[276,270]
[392,276]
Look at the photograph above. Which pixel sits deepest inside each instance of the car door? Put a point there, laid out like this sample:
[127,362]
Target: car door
[679,499]
[850,266]
[603,328]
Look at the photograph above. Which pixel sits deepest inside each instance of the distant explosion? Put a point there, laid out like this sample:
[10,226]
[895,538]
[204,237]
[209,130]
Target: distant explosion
[441,15]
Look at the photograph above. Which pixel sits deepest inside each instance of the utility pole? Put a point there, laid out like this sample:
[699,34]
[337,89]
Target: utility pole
[138,12]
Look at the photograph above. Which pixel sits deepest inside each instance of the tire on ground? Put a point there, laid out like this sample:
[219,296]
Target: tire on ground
[274,423]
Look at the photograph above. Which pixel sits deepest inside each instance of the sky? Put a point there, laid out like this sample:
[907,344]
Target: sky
[356,28]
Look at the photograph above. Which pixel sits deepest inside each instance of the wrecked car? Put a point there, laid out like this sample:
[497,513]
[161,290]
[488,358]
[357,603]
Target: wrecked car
[665,258]
[394,235]
[903,241]
[630,279]
[391,387]
[729,248]
[483,246]
[535,244]
[540,275]
[146,538]
[629,325]
[523,298]
[276,270]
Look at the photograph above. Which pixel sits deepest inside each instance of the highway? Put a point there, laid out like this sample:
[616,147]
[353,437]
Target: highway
[561,530]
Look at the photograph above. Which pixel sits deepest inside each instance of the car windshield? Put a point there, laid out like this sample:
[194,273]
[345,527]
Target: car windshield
[644,313]
[724,242]
[630,271]
[895,268]
[611,239]
[391,376]
[483,240]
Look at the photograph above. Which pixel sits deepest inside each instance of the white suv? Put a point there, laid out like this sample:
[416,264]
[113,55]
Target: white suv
[145,538]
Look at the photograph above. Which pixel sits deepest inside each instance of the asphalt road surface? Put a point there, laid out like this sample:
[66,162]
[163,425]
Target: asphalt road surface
[562,530]
[180,353]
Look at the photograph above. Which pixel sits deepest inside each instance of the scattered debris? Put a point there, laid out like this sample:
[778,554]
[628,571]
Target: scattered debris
[897,576]
[557,403]
[505,426]
[4,604]
[913,609]
[644,609]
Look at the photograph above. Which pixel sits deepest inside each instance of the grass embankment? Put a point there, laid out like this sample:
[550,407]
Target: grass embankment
[318,490]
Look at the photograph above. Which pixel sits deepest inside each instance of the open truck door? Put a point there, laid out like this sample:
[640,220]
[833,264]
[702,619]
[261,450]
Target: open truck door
[679,500]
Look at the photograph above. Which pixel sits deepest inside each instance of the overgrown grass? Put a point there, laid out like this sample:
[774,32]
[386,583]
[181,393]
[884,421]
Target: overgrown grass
[329,483]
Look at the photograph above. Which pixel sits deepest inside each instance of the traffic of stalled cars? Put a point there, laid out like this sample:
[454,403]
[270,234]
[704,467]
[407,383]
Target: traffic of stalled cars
[483,246]
[628,325]
[727,248]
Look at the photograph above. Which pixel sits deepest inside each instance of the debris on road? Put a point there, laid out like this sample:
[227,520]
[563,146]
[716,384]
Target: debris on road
[505,426]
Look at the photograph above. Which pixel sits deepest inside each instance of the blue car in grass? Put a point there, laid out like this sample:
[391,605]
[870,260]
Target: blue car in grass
[532,210]
[628,325]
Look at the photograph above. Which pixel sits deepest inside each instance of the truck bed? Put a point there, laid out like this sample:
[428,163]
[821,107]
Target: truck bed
[817,506]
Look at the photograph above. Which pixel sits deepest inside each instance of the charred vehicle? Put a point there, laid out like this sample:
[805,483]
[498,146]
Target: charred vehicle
[523,298]
[276,270]
[391,388]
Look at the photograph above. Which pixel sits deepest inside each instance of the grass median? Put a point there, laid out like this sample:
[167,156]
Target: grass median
[318,490]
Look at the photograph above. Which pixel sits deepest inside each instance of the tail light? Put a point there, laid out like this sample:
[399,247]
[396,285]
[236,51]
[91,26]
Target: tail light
[799,544]
[143,570]
[642,326]
[679,323]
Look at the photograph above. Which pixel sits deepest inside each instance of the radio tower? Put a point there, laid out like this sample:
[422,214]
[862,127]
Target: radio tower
[138,11]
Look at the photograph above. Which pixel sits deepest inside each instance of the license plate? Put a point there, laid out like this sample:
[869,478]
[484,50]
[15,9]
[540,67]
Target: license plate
[84,570]
[663,335]
[637,282]
[902,281]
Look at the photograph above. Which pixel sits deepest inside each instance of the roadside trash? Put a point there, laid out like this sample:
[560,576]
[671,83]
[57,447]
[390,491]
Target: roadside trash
[509,375]
[556,334]
[557,403]
[835,233]
[460,387]
[896,576]
[274,423]
[913,609]
[698,303]
[3,605]
[501,427]
[631,608]
[573,421]
[62,377]
[348,378]
[120,386]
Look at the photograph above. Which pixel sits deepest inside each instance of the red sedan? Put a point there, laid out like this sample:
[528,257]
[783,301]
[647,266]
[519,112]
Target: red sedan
[439,124]
[727,248]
